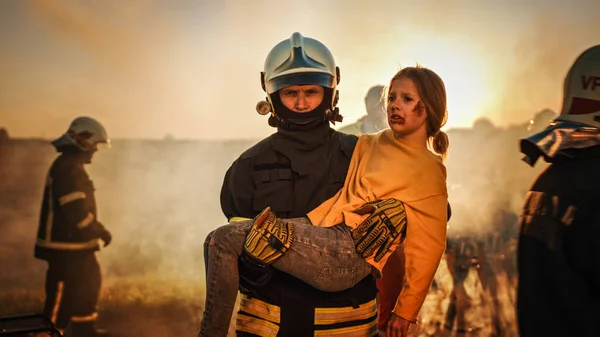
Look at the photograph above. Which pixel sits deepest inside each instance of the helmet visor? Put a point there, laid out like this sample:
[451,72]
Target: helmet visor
[322,79]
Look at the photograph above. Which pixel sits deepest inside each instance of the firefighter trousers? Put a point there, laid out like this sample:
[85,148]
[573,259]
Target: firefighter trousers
[72,289]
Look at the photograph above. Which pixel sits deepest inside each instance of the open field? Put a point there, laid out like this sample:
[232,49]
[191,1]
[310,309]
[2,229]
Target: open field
[161,198]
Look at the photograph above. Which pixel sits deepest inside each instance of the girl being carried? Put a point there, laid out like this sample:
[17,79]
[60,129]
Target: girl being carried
[333,247]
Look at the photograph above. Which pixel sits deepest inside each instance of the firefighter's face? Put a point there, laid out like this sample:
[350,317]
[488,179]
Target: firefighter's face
[302,98]
[405,111]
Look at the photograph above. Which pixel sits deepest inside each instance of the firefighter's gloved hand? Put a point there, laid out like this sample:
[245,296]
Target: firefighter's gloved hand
[385,225]
[106,237]
[269,237]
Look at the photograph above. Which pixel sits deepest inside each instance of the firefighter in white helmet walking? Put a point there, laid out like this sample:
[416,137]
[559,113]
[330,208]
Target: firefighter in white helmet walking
[69,232]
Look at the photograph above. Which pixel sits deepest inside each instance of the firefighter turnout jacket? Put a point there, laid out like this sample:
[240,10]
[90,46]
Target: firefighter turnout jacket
[68,219]
[293,172]
[559,249]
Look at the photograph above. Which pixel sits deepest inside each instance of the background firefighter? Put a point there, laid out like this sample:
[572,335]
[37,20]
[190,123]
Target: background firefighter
[69,232]
[376,118]
[559,273]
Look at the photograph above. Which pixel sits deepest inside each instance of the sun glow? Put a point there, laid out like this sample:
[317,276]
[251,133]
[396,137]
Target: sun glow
[463,69]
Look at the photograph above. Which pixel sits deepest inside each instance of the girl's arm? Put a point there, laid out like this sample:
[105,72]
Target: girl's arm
[425,245]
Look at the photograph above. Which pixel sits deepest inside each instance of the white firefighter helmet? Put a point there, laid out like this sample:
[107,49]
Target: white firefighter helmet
[84,133]
[300,60]
[374,97]
[541,120]
[581,100]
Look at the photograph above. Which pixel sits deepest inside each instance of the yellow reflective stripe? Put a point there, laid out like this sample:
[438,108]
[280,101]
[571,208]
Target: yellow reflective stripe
[345,314]
[65,199]
[68,245]
[238,219]
[86,222]
[256,326]
[260,309]
[88,318]
[368,329]
[57,300]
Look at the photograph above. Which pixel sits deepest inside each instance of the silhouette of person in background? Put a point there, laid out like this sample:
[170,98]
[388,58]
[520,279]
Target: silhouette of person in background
[375,120]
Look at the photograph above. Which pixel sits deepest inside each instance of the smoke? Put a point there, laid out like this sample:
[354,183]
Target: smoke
[150,71]
[161,199]
[487,180]
[21,184]
[158,198]
[543,56]
[121,35]
[134,65]
[168,188]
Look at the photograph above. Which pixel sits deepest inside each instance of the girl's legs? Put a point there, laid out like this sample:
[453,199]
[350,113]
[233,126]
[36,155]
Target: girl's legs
[325,258]
[222,279]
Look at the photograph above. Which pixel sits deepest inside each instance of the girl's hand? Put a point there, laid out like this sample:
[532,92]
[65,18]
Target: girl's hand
[397,327]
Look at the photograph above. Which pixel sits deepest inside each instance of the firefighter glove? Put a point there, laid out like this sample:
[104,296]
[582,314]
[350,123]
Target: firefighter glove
[106,237]
[385,225]
[269,237]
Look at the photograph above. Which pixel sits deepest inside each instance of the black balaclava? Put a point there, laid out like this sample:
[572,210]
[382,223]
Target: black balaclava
[301,131]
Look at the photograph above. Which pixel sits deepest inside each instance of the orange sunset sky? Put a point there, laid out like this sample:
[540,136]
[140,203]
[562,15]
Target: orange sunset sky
[190,69]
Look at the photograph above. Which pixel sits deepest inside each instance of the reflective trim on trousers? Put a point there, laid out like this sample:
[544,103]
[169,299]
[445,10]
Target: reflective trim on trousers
[345,314]
[88,318]
[260,309]
[364,330]
[256,326]
[57,300]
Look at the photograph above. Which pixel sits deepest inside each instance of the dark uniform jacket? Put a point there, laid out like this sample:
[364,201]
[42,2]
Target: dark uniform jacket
[292,178]
[294,172]
[559,249]
[68,220]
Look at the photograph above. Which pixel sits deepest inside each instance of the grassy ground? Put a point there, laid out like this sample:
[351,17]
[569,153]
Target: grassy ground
[149,307]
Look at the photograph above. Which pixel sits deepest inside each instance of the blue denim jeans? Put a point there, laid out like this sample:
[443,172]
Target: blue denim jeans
[325,258]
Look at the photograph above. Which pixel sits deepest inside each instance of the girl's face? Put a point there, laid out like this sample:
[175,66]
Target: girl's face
[406,112]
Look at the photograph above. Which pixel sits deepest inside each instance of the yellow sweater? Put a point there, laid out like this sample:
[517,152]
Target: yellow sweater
[383,167]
